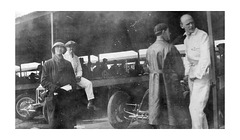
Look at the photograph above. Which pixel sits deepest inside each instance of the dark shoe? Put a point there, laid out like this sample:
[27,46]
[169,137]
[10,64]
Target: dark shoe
[90,105]
[155,126]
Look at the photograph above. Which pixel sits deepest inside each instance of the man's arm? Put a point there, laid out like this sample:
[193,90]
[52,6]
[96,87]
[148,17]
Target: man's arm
[185,60]
[72,76]
[204,61]
[79,68]
[160,60]
[46,80]
[177,62]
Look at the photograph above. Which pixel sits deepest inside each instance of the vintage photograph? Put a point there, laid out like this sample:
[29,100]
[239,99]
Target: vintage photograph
[120,70]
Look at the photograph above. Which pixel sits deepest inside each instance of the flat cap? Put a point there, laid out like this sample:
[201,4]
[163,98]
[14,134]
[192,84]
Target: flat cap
[70,44]
[159,28]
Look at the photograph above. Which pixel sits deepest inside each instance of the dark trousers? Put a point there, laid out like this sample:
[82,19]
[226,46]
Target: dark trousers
[59,111]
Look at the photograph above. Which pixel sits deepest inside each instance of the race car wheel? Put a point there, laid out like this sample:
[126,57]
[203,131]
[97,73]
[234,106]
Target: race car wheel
[23,107]
[116,115]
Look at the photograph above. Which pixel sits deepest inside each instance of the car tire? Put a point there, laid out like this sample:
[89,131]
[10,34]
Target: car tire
[23,101]
[115,110]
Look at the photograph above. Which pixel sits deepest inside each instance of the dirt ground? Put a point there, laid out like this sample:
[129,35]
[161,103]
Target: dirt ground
[97,123]
[99,120]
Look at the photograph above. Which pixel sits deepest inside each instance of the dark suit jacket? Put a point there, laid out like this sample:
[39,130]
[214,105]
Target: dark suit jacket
[57,73]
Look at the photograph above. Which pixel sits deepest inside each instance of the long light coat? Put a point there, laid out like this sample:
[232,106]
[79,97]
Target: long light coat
[155,56]
[166,69]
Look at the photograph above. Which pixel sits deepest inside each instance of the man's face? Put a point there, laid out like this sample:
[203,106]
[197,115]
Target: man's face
[166,34]
[70,50]
[59,50]
[187,23]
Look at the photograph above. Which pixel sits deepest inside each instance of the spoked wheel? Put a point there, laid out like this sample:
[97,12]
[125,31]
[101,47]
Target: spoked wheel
[116,106]
[144,103]
[23,107]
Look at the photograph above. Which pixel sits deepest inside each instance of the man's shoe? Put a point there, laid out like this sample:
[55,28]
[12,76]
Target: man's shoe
[155,126]
[90,105]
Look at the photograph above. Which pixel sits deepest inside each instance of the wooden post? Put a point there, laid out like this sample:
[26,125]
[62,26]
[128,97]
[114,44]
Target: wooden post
[213,71]
[51,18]
[89,58]
[20,68]
[138,55]
[89,61]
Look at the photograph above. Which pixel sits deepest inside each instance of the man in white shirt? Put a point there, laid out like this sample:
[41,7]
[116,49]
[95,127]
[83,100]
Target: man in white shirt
[198,58]
[81,81]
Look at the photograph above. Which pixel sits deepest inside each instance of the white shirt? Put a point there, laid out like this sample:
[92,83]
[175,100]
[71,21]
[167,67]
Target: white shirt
[198,52]
[75,63]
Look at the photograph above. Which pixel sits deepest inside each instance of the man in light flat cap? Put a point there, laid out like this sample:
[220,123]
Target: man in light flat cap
[56,73]
[81,81]
[166,70]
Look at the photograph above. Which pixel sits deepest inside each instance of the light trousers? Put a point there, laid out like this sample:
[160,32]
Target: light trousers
[199,94]
[87,85]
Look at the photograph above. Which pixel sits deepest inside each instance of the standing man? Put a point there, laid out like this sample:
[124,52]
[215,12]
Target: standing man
[104,64]
[81,81]
[56,73]
[198,56]
[166,68]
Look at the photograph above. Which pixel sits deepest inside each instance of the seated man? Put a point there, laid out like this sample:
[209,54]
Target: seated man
[56,73]
[85,70]
[33,78]
[123,69]
[104,64]
[114,70]
[138,69]
[81,81]
[97,72]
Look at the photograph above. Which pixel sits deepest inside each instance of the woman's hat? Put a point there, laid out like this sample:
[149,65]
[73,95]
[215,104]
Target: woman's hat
[58,44]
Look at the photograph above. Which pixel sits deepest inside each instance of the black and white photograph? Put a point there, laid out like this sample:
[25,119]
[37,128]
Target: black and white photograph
[120,70]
